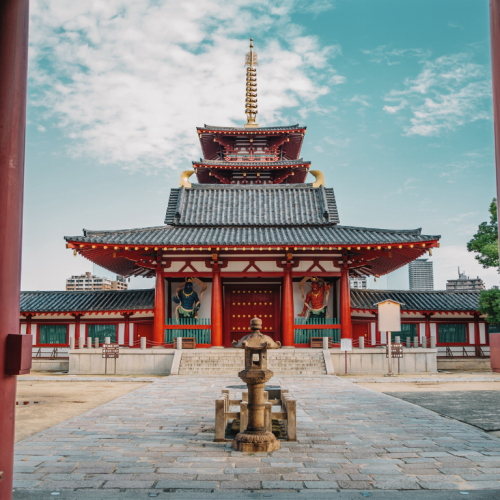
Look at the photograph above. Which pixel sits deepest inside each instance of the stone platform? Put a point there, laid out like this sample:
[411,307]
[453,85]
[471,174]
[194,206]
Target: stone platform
[229,361]
[159,438]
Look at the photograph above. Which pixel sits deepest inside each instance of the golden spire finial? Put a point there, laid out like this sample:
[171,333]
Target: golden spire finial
[251,96]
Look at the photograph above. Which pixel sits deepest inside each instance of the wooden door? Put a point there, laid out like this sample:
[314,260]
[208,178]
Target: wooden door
[359,330]
[144,330]
[252,301]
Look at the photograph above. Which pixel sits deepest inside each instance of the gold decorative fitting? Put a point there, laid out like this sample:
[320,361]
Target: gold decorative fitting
[184,182]
[320,178]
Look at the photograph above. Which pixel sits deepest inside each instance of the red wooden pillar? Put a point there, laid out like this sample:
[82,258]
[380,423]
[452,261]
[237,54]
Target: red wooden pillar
[28,324]
[427,317]
[77,328]
[287,315]
[495,70]
[476,329]
[13,75]
[345,304]
[159,314]
[216,319]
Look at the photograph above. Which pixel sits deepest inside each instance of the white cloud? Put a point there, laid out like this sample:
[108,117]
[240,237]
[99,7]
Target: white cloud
[362,99]
[340,143]
[130,81]
[41,128]
[384,54]
[448,93]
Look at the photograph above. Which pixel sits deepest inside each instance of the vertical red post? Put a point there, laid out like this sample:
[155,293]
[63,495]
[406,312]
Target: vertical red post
[345,304]
[427,317]
[216,319]
[495,75]
[126,333]
[13,84]
[77,328]
[476,330]
[159,314]
[287,308]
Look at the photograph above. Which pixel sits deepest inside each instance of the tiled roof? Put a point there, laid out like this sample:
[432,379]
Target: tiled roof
[262,164]
[243,129]
[440,300]
[101,300]
[260,235]
[269,205]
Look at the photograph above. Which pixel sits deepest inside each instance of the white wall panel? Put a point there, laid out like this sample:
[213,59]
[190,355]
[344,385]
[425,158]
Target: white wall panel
[471,333]
[421,330]
[71,330]
[82,330]
[131,334]
[23,328]
[33,333]
[433,330]
[373,327]
[383,337]
[121,333]
[482,333]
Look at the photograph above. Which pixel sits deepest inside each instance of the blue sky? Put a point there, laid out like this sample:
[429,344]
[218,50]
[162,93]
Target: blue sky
[395,94]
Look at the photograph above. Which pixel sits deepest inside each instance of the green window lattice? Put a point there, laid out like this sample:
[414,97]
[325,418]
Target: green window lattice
[53,334]
[407,330]
[103,331]
[454,333]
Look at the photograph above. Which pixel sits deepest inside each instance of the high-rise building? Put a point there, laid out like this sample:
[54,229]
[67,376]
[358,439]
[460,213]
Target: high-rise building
[358,282]
[465,283]
[421,275]
[89,281]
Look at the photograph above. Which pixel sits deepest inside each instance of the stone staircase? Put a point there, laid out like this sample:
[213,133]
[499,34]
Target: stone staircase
[230,361]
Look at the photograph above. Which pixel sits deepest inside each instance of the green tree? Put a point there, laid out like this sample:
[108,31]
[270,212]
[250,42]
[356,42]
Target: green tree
[485,242]
[489,303]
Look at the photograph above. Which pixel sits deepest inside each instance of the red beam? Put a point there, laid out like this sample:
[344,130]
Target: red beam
[13,83]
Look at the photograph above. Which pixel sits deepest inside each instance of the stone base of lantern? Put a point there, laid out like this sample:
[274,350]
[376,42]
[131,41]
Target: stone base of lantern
[255,443]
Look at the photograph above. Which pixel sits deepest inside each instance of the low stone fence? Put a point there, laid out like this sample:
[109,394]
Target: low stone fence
[131,361]
[373,361]
[288,413]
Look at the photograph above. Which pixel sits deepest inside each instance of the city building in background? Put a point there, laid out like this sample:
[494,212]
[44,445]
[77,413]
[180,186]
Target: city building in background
[465,283]
[358,282]
[89,282]
[421,274]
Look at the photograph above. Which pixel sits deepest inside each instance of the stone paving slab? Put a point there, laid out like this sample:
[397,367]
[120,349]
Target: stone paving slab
[478,408]
[159,438]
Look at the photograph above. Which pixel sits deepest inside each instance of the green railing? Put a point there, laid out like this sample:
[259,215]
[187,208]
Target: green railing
[303,335]
[188,327]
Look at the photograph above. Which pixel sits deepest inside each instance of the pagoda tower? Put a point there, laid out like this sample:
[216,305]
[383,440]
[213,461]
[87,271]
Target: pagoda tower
[251,239]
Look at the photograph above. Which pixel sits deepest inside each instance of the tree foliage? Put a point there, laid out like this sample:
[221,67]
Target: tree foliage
[489,303]
[485,242]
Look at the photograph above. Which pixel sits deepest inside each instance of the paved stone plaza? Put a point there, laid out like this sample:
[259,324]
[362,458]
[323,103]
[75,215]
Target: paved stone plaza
[160,437]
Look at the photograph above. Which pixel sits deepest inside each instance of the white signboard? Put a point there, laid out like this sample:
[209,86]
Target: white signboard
[389,316]
[346,344]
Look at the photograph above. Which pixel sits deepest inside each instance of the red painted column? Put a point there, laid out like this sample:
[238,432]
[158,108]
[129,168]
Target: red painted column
[427,327]
[476,329]
[287,315]
[216,318]
[159,314]
[13,75]
[495,75]
[345,304]
[77,329]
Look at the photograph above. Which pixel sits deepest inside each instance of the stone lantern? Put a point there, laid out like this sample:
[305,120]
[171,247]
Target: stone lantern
[255,438]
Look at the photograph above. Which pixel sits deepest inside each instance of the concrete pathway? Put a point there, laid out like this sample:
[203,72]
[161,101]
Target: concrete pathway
[159,439]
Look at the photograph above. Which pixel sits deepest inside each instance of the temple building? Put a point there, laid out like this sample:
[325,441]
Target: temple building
[244,235]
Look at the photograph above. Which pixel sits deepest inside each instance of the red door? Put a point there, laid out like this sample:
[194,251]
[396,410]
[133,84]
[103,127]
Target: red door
[359,330]
[144,330]
[252,301]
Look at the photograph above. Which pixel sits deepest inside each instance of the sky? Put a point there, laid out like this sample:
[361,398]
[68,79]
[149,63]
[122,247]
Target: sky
[396,97]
